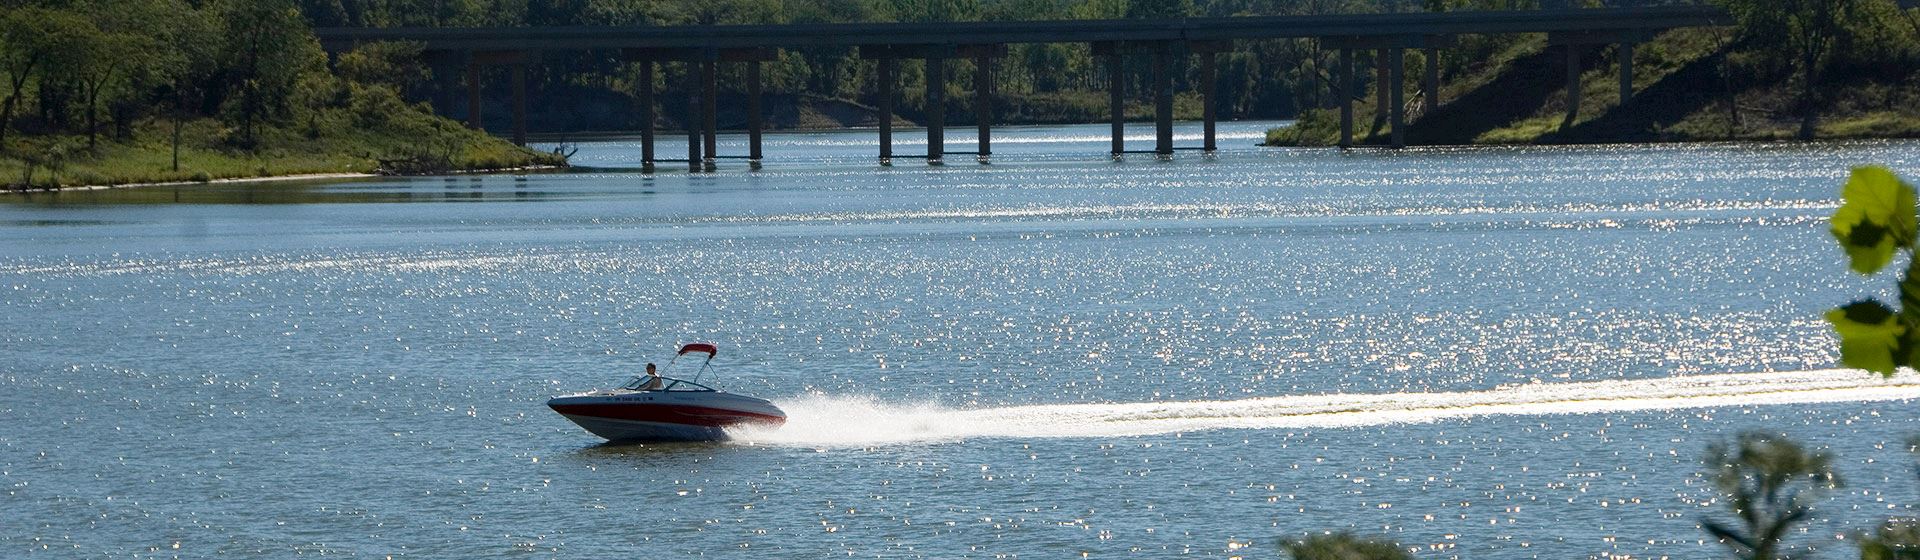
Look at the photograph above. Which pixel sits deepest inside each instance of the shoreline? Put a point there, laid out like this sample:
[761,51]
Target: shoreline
[272,179]
[1758,140]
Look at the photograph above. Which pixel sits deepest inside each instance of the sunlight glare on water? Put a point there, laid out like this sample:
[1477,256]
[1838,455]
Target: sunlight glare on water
[1485,353]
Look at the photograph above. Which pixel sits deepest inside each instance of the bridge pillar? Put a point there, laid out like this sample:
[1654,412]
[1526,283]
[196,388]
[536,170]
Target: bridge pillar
[1397,101]
[693,117]
[1117,103]
[520,104]
[754,124]
[983,101]
[1209,114]
[1573,85]
[1345,90]
[445,66]
[1162,104]
[1431,83]
[884,75]
[1380,77]
[1573,41]
[645,90]
[936,108]
[473,96]
[1625,54]
[709,111]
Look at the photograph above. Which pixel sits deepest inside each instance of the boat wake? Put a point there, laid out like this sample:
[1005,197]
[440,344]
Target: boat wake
[824,420]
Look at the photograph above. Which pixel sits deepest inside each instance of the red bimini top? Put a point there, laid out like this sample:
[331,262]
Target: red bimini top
[703,347]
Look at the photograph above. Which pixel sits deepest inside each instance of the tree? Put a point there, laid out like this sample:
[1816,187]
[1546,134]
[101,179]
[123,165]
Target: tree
[268,47]
[31,39]
[1769,482]
[1343,546]
[1159,9]
[1802,29]
[103,59]
[1876,219]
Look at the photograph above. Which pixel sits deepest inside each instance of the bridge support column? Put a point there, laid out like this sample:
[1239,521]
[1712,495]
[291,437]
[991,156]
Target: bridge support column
[709,111]
[754,124]
[473,96]
[693,117]
[1575,41]
[1117,103]
[1380,78]
[446,81]
[936,108]
[983,101]
[885,77]
[1162,104]
[1345,90]
[519,104]
[1431,83]
[1625,54]
[1209,115]
[1573,85]
[1397,100]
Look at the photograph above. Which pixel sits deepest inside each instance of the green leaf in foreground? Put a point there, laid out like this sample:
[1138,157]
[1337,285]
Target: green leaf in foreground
[1876,216]
[1869,335]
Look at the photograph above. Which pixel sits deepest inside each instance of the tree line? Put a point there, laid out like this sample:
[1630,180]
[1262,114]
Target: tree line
[69,65]
[81,65]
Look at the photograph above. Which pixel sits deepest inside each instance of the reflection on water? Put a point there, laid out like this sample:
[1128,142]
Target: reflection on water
[330,191]
[1486,353]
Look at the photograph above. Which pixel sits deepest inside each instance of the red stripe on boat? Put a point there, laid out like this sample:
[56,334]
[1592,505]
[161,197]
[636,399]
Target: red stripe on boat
[669,413]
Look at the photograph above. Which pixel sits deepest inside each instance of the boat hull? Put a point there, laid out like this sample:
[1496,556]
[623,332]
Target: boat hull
[635,416]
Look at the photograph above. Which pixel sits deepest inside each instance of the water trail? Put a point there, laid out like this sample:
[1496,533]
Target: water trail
[824,420]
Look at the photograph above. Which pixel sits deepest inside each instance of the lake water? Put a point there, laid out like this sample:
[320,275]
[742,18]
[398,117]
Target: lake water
[1485,353]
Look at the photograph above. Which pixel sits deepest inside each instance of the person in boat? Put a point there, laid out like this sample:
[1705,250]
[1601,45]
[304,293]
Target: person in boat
[653,379]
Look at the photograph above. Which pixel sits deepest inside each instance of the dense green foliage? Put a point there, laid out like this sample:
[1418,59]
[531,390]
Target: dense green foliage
[1876,220]
[1841,69]
[115,91]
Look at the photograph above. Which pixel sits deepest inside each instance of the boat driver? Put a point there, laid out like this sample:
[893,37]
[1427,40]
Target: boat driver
[653,379]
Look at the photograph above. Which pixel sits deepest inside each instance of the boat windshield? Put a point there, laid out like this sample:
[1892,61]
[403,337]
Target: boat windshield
[644,383]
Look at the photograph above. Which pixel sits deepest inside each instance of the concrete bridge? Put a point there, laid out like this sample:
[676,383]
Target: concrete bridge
[703,47]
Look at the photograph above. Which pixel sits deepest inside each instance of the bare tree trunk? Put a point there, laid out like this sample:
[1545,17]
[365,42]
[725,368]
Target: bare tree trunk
[93,128]
[1733,96]
[1807,105]
[19,82]
[6,117]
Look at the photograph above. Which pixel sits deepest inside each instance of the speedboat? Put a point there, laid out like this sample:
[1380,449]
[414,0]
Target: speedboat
[659,408]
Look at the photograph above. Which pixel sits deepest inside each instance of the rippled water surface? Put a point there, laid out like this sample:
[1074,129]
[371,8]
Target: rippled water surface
[1477,352]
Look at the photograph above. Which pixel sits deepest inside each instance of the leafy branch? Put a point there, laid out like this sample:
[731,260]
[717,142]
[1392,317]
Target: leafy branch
[1876,219]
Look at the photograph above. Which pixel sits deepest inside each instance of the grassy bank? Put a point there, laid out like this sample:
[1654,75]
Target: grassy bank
[367,131]
[1690,85]
[394,140]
